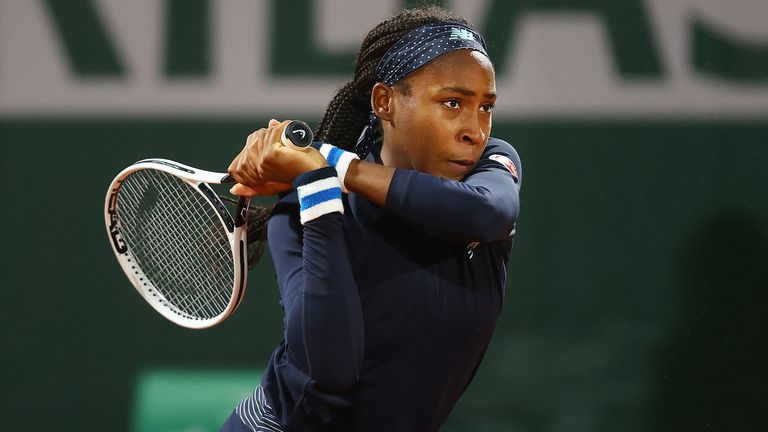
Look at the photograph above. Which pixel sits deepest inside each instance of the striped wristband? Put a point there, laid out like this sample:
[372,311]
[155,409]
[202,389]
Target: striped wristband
[319,194]
[339,159]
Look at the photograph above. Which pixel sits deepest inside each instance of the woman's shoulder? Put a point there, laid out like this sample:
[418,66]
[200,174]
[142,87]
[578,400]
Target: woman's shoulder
[502,152]
[497,145]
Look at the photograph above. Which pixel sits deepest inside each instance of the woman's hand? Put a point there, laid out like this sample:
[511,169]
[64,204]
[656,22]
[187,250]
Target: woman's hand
[268,188]
[266,167]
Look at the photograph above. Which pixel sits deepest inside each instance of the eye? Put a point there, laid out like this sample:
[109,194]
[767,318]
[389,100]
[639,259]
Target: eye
[487,107]
[451,103]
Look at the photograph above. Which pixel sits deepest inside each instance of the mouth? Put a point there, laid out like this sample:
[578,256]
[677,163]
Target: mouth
[462,166]
[467,163]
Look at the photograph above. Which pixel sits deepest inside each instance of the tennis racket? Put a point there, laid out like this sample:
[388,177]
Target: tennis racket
[177,241]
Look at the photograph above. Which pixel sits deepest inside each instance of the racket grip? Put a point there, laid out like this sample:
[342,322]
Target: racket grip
[297,135]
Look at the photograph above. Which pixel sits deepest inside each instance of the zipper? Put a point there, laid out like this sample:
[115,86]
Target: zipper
[437,300]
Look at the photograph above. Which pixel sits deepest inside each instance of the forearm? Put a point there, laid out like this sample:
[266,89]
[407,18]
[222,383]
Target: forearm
[325,326]
[453,210]
[323,313]
[481,209]
[369,180]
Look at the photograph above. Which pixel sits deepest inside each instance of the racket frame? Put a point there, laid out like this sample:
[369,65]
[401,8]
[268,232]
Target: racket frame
[235,227]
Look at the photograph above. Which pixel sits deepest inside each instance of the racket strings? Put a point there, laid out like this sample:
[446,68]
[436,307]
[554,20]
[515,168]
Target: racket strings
[178,242]
[197,299]
[151,247]
[186,272]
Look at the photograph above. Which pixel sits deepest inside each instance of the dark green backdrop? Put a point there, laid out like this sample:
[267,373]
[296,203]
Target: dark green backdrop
[637,287]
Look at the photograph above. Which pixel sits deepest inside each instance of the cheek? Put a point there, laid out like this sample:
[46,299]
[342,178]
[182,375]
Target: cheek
[428,151]
[430,120]
[423,132]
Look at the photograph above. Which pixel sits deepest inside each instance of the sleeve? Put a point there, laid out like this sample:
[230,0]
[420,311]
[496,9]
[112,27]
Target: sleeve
[323,317]
[482,207]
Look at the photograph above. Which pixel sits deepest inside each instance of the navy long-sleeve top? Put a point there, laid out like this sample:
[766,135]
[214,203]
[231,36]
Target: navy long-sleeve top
[388,312]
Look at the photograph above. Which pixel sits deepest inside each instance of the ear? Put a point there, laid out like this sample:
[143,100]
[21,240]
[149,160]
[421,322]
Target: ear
[382,101]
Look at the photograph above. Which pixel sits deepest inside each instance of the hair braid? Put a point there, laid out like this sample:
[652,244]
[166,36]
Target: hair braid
[347,113]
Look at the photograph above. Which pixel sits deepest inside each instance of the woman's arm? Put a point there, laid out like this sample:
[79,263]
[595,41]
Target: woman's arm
[323,318]
[482,207]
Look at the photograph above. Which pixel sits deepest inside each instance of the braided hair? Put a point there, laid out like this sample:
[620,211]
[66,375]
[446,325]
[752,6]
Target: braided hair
[348,112]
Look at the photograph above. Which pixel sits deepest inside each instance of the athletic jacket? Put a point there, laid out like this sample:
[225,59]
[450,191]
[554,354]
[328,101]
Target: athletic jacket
[388,312]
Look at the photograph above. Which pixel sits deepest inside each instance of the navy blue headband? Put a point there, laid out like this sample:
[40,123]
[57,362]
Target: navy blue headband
[412,51]
[423,45]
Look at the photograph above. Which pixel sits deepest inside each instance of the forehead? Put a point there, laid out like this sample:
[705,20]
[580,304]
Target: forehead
[463,67]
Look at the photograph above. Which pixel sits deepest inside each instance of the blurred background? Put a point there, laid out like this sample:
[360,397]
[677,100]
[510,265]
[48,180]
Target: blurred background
[638,284]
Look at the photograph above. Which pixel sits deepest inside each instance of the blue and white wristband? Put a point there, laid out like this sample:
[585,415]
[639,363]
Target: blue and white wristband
[339,159]
[319,194]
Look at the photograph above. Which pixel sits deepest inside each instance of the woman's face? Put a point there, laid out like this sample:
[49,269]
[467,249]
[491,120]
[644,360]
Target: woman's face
[438,119]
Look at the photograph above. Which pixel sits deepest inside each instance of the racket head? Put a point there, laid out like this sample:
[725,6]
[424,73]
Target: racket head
[176,241]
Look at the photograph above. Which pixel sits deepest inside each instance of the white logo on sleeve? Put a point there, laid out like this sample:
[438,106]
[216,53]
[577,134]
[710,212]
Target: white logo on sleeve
[508,164]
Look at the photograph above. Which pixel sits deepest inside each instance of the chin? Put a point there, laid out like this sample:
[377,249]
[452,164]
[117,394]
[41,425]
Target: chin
[449,176]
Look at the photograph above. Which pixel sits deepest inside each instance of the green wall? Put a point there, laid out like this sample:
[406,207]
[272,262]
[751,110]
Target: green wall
[638,283]
[636,289]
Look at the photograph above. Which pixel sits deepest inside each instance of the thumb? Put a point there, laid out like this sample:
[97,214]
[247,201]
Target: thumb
[273,122]
[243,190]
[266,189]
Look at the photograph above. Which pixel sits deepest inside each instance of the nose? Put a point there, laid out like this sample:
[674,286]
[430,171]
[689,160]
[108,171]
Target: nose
[472,132]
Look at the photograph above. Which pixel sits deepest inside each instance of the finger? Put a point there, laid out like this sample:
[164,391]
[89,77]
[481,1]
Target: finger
[255,139]
[274,188]
[233,165]
[276,135]
[233,168]
[256,150]
[242,190]
[269,188]
[247,172]
[268,157]
[273,122]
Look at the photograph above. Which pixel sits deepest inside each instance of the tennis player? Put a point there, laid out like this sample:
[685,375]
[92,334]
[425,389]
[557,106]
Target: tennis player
[392,243]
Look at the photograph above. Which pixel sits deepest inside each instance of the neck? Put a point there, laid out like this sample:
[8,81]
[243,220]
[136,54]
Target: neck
[394,155]
[387,157]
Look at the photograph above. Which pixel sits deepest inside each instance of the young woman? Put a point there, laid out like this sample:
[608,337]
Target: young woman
[391,291]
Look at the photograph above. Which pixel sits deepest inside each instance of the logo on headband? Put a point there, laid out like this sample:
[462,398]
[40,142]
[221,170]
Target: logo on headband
[460,33]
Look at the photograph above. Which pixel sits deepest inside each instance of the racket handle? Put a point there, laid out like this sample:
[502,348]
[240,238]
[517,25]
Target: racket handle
[297,135]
